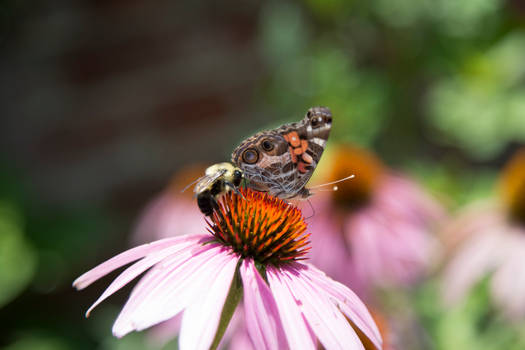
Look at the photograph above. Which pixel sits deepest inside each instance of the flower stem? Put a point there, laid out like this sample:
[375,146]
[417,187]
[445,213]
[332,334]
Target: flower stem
[232,300]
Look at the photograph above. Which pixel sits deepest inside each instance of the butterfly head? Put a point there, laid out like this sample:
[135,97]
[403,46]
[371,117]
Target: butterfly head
[318,120]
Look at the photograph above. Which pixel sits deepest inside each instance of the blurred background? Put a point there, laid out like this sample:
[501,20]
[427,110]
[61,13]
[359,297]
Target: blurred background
[103,101]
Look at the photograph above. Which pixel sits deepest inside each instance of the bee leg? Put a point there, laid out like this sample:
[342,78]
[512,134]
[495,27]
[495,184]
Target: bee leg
[234,188]
[313,209]
[214,207]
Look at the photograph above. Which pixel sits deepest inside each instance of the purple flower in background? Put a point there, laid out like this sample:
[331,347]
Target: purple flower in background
[254,251]
[493,244]
[375,230]
[172,212]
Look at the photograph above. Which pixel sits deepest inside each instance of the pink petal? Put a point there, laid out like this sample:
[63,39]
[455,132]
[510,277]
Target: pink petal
[168,288]
[139,267]
[361,233]
[240,340]
[164,332]
[409,199]
[508,282]
[236,337]
[261,314]
[295,327]
[476,217]
[148,285]
[481,254]
[128,256]
[407,247]
[201,318]
[347,302]
[329,250]
[169,215]
[388,250]
[326,320]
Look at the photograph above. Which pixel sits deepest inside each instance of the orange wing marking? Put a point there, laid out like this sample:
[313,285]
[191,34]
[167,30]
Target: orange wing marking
[298,149]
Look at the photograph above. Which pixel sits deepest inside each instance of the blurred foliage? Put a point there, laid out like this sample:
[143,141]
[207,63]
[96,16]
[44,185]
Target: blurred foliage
[453,184]
[39,258]
[472,324]
[454,18]
[38,343]
[481,106]
[309,72]
[384,67]
[135,341]
[17,257]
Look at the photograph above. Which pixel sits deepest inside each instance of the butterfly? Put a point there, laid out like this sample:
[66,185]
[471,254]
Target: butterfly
[278,161]
[282,160]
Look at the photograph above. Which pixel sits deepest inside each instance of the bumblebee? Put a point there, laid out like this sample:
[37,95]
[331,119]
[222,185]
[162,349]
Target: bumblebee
[218,179]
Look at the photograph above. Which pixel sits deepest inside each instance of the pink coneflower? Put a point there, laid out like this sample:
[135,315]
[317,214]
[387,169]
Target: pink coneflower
[375,231]
[254,250]
[172,212]
[494,245]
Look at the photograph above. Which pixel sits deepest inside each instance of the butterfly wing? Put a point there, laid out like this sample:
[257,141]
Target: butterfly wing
[281,161]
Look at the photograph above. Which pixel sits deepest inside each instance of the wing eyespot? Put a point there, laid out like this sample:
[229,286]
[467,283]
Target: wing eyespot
[250,156]
[267,145]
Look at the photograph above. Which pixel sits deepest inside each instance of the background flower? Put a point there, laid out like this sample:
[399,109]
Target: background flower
[493,245]
[376,229]
[172,212]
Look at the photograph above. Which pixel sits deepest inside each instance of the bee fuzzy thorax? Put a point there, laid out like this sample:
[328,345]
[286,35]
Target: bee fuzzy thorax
[218,179]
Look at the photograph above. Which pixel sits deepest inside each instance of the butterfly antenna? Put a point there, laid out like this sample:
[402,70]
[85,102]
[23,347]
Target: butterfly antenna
[334,182]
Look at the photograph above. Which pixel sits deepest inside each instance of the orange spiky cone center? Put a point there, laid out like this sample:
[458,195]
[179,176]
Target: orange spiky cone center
[513,186]
[367,169]
[261,227]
